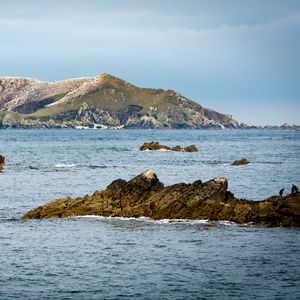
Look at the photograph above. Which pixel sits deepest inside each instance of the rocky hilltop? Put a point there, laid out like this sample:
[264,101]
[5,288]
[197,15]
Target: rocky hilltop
[146,196]
[102,101]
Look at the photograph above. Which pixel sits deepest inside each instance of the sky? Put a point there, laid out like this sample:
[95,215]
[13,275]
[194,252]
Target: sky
[240,57]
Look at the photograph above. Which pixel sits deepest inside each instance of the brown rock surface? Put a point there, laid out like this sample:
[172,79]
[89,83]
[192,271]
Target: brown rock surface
[240,162]
[154,146]
[177,148]
[2,162]
[191,148]
[146,196]
[157,146]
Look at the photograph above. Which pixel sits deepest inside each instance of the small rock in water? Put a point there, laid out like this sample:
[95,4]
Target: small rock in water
[154,146]
[157,146]
[191,148]
[2,162]
[240,162]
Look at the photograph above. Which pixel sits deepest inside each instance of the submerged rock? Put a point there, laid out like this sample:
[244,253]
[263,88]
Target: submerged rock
[2,162]
[157,146]
[145,195]
[240,162]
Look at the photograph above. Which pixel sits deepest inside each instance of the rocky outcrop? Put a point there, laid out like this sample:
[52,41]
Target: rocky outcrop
[154,146]
[18,93]
[146,196]
[2,162]
[157,146]
[240,162]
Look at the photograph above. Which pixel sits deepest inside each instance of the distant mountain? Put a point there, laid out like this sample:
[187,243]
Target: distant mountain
[101,101]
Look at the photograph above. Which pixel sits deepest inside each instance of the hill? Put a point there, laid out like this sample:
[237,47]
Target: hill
[101,101]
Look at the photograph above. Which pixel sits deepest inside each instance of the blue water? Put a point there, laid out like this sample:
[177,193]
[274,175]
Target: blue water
[115,258]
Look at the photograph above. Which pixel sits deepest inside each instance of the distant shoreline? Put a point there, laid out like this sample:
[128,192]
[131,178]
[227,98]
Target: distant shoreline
[287,128]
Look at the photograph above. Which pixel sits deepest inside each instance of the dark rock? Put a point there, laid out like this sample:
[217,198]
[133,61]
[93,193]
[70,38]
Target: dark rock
[2,162]
[157,146]
[178,149]
[154,146]
[240,162]
[146,196]
[191,148]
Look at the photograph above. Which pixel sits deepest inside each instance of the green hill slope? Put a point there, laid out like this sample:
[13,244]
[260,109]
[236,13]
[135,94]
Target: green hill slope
[111,101]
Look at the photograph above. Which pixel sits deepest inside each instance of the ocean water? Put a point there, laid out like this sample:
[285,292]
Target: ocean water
[115,258]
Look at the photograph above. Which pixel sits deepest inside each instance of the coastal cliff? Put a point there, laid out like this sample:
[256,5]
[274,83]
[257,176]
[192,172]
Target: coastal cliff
[146,196]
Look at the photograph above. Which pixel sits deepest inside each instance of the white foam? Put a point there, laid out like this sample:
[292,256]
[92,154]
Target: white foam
[163,221]
[158,150]
[65,165]
[88,216]
[227,223]
[147,219]
[114,218]
[181,221]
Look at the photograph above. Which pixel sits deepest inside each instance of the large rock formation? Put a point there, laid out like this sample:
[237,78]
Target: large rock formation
[157,146]
[146,196]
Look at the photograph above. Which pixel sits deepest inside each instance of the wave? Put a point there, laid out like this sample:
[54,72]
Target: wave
[269,162]
[4,219]
[112,218]
[33,168]
[216,162]
[180,221]
[97,167]
[64,167]
[229,163]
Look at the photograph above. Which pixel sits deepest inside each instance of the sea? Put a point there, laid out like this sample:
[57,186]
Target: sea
[96,257]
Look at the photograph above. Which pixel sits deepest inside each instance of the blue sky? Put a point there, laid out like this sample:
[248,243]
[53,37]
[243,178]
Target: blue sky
[236,56]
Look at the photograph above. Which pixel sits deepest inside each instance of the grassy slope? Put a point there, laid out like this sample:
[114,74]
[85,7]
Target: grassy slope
[115,95]
[124,95]
[15,115]
[35,106]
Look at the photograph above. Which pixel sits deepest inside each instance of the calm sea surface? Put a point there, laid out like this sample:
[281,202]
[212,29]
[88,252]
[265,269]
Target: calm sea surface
[115,258]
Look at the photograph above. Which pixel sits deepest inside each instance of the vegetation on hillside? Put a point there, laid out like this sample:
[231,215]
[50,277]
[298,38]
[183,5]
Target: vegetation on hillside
[111,101]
